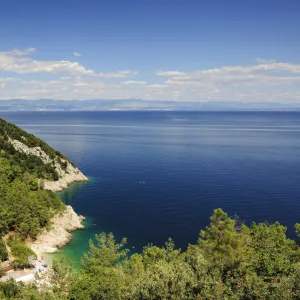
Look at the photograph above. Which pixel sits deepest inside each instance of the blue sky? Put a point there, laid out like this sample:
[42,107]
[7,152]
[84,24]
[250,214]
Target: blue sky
[161,50]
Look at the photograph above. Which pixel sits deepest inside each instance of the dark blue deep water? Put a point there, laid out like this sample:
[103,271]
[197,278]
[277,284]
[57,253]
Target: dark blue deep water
[155,175]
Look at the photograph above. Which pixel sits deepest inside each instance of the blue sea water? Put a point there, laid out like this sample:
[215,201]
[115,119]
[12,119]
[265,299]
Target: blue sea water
[155,175]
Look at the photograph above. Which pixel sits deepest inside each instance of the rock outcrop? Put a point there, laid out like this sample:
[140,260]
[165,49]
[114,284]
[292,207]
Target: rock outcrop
[66,221]
[67,174]
[72,174]
[59,233]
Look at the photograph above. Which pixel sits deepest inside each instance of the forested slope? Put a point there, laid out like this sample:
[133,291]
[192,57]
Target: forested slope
[11,136]
[25,207]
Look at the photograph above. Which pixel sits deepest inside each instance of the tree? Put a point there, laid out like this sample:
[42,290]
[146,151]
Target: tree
[228,262]
[223,245]
[105,284]
[105,253]
[103,276]
[276,255]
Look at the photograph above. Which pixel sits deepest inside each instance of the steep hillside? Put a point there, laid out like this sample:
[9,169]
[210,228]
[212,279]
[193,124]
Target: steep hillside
[37,158]
[30,170]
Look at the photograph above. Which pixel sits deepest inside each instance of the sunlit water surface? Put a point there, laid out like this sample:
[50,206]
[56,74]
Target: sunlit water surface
[155,175]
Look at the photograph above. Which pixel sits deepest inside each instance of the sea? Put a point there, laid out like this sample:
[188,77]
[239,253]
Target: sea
[160,174]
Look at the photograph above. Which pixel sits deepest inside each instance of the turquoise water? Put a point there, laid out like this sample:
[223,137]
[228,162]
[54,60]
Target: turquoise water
[74,250]
[155,175]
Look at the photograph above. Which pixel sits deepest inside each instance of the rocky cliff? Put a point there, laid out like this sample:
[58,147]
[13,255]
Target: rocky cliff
[67,173]
[59,233]
[36,163]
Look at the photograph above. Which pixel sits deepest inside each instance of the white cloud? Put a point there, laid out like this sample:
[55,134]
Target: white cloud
[265,80]
[134,82]
[65,77]
[270,73]
[9,79]
[20,62]
[76,54]
[265,67]
[17,52]
[157,86]
[170,73]
[265,61]
[119,74]
[92,88]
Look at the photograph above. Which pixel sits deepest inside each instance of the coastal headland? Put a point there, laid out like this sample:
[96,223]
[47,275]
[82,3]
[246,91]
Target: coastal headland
[42,168]
[63,223]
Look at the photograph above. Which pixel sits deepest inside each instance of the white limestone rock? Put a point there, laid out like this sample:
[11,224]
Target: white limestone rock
[66,176]
[59,235]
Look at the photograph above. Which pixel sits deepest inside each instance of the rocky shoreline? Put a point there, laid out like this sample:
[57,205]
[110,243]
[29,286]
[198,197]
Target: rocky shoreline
[66,175]
[62,223]
[73,175]
[59,234]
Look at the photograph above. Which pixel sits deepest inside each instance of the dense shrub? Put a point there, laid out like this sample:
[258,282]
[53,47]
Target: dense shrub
[21,253]
[3,251]
[25,208]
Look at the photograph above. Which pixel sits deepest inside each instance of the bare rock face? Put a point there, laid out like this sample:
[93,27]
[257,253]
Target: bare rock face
[59,234]
[66,176]
[72,175]
[62,223]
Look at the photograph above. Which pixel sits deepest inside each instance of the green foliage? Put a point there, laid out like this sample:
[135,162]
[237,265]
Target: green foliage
[19,291]
[297,229]
[21,254]
[61,277]
[103,276]
[2,273]
[106,284]
[223,244]
[230,261]
[107,253]
[9,290]
[3,251]
[275,254]
[164,280]
[28,163]
[24,207]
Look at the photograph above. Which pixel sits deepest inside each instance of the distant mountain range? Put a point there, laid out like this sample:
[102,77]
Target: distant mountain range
[137,104]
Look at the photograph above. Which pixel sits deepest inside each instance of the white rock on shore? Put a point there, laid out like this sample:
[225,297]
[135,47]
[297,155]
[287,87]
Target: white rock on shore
[73,175]
[63,223]
[66,176]
[59,234]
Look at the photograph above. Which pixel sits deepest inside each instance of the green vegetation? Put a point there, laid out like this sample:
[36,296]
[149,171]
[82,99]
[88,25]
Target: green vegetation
[230,261]
[3,251]
[28,163]
[21,253]
[25,208]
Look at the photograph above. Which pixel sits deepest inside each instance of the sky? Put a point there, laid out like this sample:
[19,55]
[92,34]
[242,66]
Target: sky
[182,50]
